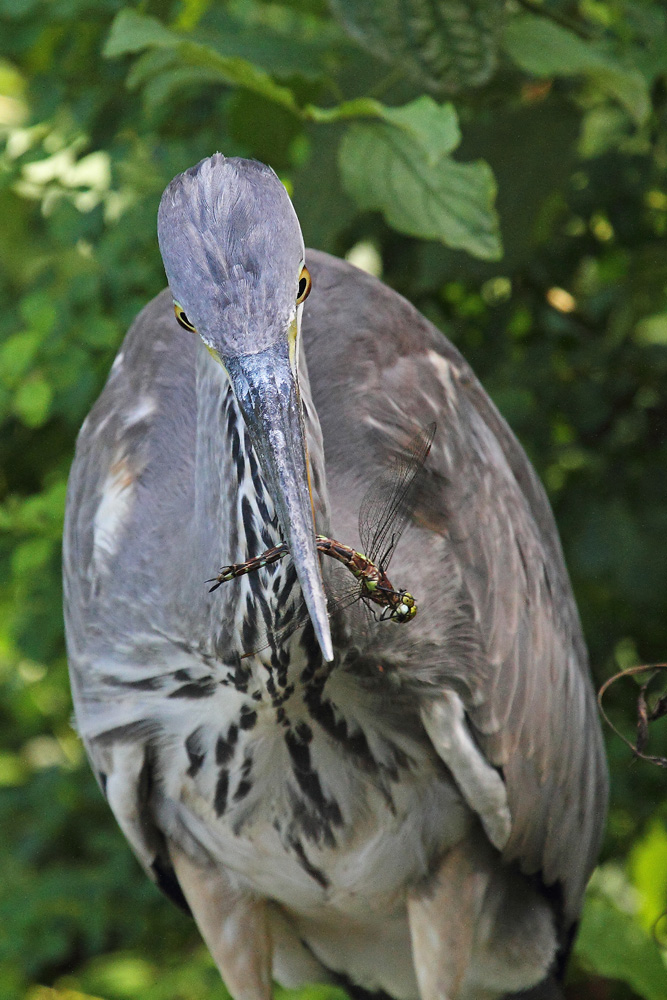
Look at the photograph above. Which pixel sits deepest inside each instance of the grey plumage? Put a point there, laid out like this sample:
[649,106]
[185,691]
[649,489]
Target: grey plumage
[341,811]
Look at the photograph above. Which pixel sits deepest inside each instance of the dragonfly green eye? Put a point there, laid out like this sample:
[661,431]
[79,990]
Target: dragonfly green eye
[182,319]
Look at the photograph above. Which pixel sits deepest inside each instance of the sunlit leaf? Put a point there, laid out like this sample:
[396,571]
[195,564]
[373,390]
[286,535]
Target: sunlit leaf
[648,871]
[32,400]
[612,944]
[384,169]
[433,126]
[131,32]
[652,330]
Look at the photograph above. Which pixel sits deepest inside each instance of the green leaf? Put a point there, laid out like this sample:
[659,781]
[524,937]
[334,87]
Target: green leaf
[544,49]
[612,944]
[17,354]
[434,126]
[133,32]
[386,169]
[31,556]
[652,330]
[32,401]
[648,868]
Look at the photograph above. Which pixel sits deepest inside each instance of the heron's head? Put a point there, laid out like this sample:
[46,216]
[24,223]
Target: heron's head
[234,256]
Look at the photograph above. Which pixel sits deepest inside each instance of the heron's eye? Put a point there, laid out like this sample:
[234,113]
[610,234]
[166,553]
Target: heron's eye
[183,319]
[305,284]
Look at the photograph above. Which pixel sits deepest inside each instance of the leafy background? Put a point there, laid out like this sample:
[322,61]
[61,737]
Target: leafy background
[501,164]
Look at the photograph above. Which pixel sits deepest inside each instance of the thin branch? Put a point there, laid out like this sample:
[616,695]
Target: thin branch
[644,716]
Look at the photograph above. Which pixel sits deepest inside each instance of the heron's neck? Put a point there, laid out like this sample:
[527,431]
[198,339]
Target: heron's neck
[231,497]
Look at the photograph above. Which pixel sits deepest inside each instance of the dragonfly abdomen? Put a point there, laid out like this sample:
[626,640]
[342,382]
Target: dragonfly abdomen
[357,563]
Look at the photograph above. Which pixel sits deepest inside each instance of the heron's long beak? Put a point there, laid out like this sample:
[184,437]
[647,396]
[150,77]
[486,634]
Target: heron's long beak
[267,392]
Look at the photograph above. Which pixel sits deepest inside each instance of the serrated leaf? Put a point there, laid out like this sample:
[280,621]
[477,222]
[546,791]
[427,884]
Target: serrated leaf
[542,48]
[386,170]
[445,45]
[613,944]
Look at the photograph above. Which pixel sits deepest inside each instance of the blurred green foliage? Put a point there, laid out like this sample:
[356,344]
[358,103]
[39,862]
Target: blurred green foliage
[560,304]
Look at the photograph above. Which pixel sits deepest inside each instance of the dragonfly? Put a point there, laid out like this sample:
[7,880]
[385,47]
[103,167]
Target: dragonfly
[383,515]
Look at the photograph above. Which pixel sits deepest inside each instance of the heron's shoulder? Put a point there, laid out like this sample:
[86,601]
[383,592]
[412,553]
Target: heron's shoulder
[154,357]
[138,435]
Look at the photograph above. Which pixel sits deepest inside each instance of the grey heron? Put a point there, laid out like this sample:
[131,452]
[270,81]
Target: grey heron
[413,809]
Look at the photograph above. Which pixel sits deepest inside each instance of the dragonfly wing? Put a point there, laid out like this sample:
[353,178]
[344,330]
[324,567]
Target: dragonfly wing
[388,504]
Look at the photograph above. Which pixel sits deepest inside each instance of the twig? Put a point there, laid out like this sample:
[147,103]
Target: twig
[644,716]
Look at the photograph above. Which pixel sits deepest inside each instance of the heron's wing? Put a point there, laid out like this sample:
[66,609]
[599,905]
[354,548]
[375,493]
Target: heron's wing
[528,697]
[497,623]
[109,634]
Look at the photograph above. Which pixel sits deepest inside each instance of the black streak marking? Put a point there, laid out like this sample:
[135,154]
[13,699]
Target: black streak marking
[299,753]
[309,781]
[167,881]
[241,672]
[221,789]
[195,753]
[244,784]
[314,872]
[355,743]
[262,509]
[248,525]
[254,470]
[242,790]
[304,732]
[256,585]
[224,748]
[195,689]
[290,580]
[147,684]
[248,717]
[236,448]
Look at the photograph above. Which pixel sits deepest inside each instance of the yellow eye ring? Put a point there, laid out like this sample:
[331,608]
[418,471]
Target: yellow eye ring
[182,319]
[305,285]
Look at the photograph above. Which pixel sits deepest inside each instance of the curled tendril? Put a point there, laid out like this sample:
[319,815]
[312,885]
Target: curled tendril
[645,714]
